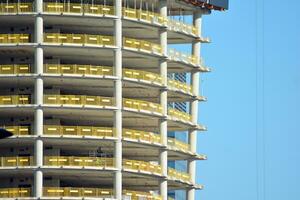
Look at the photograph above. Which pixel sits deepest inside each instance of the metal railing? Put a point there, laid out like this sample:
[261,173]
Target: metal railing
[75,161]
[172,173]
[142,105]
[182,57]
[16,161]
[180,86]
[179,114]
[60,38]
[15,69]
[78,69]
[15,192]
[142,45]
[141,166]
[11,8]
[15,100]
[77,8]
[14,38]
[78,100]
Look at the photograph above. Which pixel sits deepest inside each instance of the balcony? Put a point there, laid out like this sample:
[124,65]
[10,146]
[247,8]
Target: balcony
[78,69]
[142,106]
[141,166]
[15,100]
[182,57]
[15,192]
[16,161]
[15,69]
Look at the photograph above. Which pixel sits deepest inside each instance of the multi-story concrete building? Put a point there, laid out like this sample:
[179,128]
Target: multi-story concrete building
[84,87]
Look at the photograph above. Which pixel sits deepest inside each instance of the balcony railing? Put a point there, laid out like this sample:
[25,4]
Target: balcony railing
[15,100]
[142,105]
[78,69]
[180,86]
[78,100]
[96,192]
[145,16]
[141,135]
[18,130]
[14,38]
[179,115]
[79,8]
[16,161]
[74,161]
[60,38]
[15,192]
[182,57]
[141,166]
[178,144]
[182,27]
[142,75]
[142,45]
[172,173]
[79,131]
[11,8]
[15,69]
[58,130]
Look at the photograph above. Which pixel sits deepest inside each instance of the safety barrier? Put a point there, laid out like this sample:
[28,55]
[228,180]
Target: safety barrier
[141,135]
[14,38]
[15,100]
[78,69]
[15,192]
[78,131]
[182,27]
[75,161]
[141,166]
[11,8]
[142,75]
[142,105]
[79,8]
[182,57]
[180,86]
[78,100]
[145,16]
[179,114]
[16,161]
[60,38]
[18,130]
[96,192]
[142,45]
[178,144]
[15,69]
[172,173]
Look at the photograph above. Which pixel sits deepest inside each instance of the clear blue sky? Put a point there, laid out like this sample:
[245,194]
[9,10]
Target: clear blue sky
[231,114]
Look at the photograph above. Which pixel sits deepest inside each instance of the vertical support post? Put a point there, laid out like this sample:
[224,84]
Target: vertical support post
[38,99]
[195,78]
[118,100]
[163,125]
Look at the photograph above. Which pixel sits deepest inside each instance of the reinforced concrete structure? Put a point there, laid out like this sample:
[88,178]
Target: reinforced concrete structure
[84,87]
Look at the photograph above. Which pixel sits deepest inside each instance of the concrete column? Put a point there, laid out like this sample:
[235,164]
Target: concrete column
[195,78]
[118,99]
[38,100]
[163,125]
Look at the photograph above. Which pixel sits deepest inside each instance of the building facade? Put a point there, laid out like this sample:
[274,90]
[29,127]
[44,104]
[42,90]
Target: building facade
[84,88]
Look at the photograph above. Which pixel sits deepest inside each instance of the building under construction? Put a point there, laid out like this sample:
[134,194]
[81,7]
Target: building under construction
[91,88]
